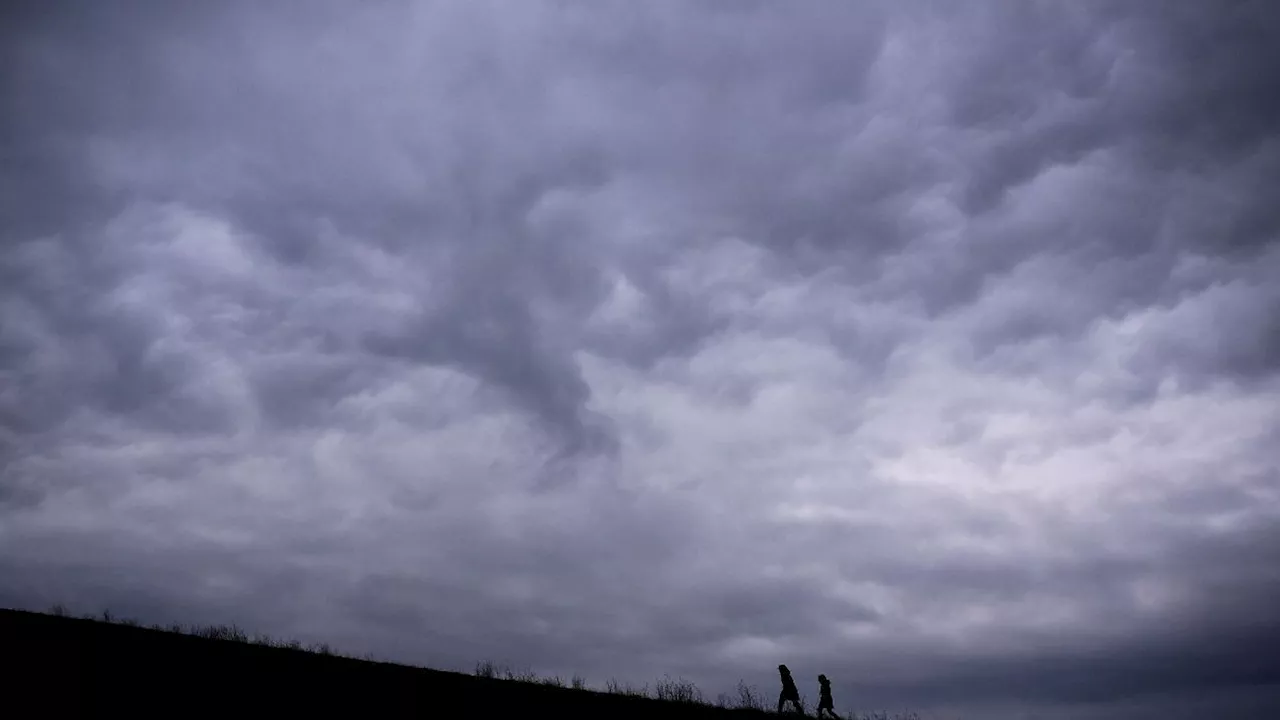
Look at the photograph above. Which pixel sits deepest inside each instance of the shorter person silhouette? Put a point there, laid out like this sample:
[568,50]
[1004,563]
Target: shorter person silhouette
[824,697]
[789,691]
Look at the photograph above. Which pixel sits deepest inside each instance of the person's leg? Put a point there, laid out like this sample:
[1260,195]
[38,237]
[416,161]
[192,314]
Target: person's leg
[782,697]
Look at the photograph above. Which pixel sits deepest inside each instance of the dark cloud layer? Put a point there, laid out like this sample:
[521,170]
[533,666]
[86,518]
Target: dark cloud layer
[933,346]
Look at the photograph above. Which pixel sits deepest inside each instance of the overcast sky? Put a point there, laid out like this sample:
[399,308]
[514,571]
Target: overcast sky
[934,346]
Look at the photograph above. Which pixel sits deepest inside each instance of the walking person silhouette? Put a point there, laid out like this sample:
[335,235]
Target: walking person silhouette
[789,691]
[824,697]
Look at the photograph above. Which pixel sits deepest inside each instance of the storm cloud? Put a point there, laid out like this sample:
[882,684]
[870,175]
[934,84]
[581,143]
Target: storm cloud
[931,346]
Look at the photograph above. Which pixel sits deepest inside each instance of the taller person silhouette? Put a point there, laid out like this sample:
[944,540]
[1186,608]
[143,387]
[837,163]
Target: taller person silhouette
[789,692]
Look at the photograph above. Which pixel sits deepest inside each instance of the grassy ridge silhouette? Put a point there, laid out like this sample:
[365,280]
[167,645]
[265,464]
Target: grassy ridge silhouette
[95,663]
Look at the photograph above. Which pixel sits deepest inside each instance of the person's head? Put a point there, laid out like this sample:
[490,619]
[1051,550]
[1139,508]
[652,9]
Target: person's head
[823,679]
[783,669]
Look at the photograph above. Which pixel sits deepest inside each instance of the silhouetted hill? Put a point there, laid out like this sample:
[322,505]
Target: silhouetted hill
[67,667]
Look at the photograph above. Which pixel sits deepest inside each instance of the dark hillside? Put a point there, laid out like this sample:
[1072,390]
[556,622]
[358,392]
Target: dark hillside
[67,667]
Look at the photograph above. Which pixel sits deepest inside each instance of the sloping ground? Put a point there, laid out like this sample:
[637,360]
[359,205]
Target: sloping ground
[67,667]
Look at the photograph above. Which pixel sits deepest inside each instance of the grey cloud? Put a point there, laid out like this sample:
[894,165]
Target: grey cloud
[65,350]
[1147,89]
[1221,65]
[1210,644]
[215,112]
[466,331]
